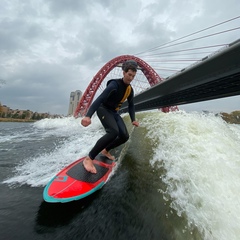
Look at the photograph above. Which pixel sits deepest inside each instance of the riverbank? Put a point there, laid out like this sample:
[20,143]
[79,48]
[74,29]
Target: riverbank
[16,120]
[233,118]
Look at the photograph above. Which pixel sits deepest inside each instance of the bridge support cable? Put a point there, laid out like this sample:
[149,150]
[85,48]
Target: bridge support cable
[216,76]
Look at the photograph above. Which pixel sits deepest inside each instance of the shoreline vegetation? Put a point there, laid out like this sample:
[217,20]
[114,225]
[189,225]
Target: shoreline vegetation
[9,115]
[232,118]
[16,120]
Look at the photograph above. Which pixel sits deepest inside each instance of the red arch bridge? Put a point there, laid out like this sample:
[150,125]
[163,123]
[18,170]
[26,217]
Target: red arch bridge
[215,76]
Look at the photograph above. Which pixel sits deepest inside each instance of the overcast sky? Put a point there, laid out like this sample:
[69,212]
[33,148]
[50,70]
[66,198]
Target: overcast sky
[49,48]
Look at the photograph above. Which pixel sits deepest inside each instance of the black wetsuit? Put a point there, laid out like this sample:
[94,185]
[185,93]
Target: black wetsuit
[107,105]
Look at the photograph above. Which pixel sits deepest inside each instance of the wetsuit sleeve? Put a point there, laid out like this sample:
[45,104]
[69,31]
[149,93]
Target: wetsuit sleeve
[131,108]
[112,87]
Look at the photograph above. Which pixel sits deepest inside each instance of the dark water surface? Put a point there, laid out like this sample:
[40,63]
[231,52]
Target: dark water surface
[177,178]
[129,206]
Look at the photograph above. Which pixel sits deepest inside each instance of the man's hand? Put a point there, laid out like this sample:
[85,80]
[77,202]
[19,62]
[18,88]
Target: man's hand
[86,121]
[135,123]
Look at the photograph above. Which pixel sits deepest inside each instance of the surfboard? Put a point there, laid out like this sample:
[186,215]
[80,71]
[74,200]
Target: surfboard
[74,182]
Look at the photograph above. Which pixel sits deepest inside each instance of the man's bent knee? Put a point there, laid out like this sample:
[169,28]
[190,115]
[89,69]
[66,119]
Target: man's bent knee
[113,133]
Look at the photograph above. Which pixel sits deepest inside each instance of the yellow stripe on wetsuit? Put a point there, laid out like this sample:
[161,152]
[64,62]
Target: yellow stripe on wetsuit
[126,95]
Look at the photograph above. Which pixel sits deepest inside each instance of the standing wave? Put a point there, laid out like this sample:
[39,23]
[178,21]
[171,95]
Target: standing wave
[199,155]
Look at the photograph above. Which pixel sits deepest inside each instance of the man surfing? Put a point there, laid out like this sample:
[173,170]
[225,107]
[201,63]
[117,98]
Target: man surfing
[107,106]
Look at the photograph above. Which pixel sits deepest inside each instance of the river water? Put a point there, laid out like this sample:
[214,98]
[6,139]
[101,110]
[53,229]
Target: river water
[178,177]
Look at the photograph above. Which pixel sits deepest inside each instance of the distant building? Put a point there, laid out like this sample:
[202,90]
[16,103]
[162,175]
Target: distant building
[4,109]
[74,100]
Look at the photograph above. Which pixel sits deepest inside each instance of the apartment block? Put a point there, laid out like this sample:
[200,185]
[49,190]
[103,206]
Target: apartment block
[74,100]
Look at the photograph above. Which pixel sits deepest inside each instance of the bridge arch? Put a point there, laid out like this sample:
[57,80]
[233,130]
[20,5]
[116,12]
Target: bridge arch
[87,98]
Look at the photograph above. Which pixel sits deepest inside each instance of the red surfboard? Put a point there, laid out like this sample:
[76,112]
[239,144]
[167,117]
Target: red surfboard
[74,182]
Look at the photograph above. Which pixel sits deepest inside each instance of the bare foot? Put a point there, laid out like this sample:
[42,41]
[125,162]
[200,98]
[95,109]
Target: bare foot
[88,165]
[107,154]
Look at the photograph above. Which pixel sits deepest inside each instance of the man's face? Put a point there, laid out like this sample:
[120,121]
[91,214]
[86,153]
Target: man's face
[128,76]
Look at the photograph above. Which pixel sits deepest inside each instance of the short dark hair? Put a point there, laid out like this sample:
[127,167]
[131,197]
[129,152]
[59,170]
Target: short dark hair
[129,64]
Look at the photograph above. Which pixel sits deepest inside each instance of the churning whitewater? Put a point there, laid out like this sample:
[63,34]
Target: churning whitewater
[195,155]
[200,155]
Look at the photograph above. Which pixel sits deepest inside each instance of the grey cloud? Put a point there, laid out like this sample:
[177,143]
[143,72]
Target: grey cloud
[18,35]
[58,7]
[31,85]
[151,34]
[10,35]
[50,48]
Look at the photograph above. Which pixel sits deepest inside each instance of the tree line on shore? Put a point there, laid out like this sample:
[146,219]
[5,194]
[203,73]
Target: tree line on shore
[233,117]
[27,115]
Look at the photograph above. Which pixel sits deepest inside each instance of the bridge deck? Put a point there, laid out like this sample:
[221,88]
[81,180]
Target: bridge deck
[214,77]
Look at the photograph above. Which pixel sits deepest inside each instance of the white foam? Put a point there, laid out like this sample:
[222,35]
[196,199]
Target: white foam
[37,171]
[200,154]
[63,126]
